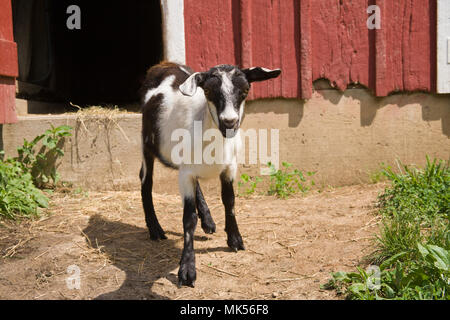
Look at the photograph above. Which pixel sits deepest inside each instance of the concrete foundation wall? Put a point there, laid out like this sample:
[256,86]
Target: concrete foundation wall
[342,136]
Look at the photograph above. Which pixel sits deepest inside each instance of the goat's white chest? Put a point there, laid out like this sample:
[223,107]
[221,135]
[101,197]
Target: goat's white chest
[213,167]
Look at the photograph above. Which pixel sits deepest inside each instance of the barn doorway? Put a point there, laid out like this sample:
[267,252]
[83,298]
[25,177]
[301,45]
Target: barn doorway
[102,63]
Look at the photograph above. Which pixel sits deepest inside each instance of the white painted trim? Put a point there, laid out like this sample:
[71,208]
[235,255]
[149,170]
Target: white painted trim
[173,30]
[443,46]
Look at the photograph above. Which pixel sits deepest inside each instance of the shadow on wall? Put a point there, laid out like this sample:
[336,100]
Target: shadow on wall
[434,107]
[294,108]
[441,111]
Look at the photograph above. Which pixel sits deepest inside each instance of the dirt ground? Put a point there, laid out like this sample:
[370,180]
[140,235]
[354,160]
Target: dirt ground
[291,247]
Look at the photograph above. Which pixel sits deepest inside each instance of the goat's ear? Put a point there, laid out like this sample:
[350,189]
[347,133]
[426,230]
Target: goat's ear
[189,86]
[260,74]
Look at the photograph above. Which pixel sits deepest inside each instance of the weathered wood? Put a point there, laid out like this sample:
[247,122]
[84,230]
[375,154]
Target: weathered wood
[8,65]
[7,100]
[305,50]
[340,42]
[246,61]
[310,40]
[211,37]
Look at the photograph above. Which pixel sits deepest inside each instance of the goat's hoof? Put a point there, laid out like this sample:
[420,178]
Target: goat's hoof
[187,275]
[235,243]
[158,235]
[209,227]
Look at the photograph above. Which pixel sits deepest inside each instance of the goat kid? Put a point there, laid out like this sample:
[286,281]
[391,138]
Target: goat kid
[174,97]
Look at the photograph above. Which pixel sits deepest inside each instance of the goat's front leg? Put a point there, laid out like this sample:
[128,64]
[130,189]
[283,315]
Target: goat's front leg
[234,240]
[187,274]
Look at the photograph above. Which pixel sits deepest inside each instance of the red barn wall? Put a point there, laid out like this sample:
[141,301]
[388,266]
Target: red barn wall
[313,39]
[8,64]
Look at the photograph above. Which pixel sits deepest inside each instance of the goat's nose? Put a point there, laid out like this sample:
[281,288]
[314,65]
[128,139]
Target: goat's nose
[229,123]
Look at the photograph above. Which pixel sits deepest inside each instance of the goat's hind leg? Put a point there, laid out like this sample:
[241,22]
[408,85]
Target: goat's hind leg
[146,175]
[208,224]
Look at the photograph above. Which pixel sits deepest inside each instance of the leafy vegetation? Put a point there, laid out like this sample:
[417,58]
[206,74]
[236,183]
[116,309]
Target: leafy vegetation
[413,248]
[18,195]
[282,182]
[22,176]
[42,163]
[248,183]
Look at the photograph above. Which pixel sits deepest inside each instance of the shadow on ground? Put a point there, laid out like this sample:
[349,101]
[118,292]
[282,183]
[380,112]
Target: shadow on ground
[144,261]
[131,250]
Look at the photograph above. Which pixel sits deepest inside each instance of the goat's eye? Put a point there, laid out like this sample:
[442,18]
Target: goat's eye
[206,91]
[245,93]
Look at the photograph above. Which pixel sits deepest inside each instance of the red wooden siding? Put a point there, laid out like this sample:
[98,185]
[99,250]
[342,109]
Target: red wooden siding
[212,33]
[8,65]
[313,39]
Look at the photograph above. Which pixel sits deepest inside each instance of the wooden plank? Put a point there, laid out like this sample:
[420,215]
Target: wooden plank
[416,46]
[266,45]
[8,58]
[270,32]
[8,48]
[410,60]
[6,24]
[210,33]
[306,75]
[245,7]
[7,100]
[290,48]
[378,57]
[340,42]
[8,65]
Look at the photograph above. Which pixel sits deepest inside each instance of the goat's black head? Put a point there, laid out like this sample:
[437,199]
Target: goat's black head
[226,88]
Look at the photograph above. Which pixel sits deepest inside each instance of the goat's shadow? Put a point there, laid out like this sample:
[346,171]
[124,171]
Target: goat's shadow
[143,261]
[129,247]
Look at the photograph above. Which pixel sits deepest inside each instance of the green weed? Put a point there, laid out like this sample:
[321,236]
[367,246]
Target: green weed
[42,164]
[22,176]
[282,183]
[247,185]
[285,182]
[18,194]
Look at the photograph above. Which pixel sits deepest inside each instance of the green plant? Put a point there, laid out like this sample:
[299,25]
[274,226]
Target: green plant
[415,208]
[42,164]
[413,248]
[18,195]
[427,277]
[377,176]
[249,183]
[284,183]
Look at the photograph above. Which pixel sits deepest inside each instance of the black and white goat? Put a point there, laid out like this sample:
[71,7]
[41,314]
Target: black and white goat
[174,97]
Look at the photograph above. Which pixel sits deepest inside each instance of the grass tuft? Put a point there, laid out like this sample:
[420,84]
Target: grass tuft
[412,258]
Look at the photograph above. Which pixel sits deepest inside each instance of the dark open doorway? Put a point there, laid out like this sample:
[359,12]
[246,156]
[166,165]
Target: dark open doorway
[104,62]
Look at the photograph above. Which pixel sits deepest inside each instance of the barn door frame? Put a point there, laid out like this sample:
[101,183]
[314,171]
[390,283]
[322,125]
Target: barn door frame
[173,30]
[443,46]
